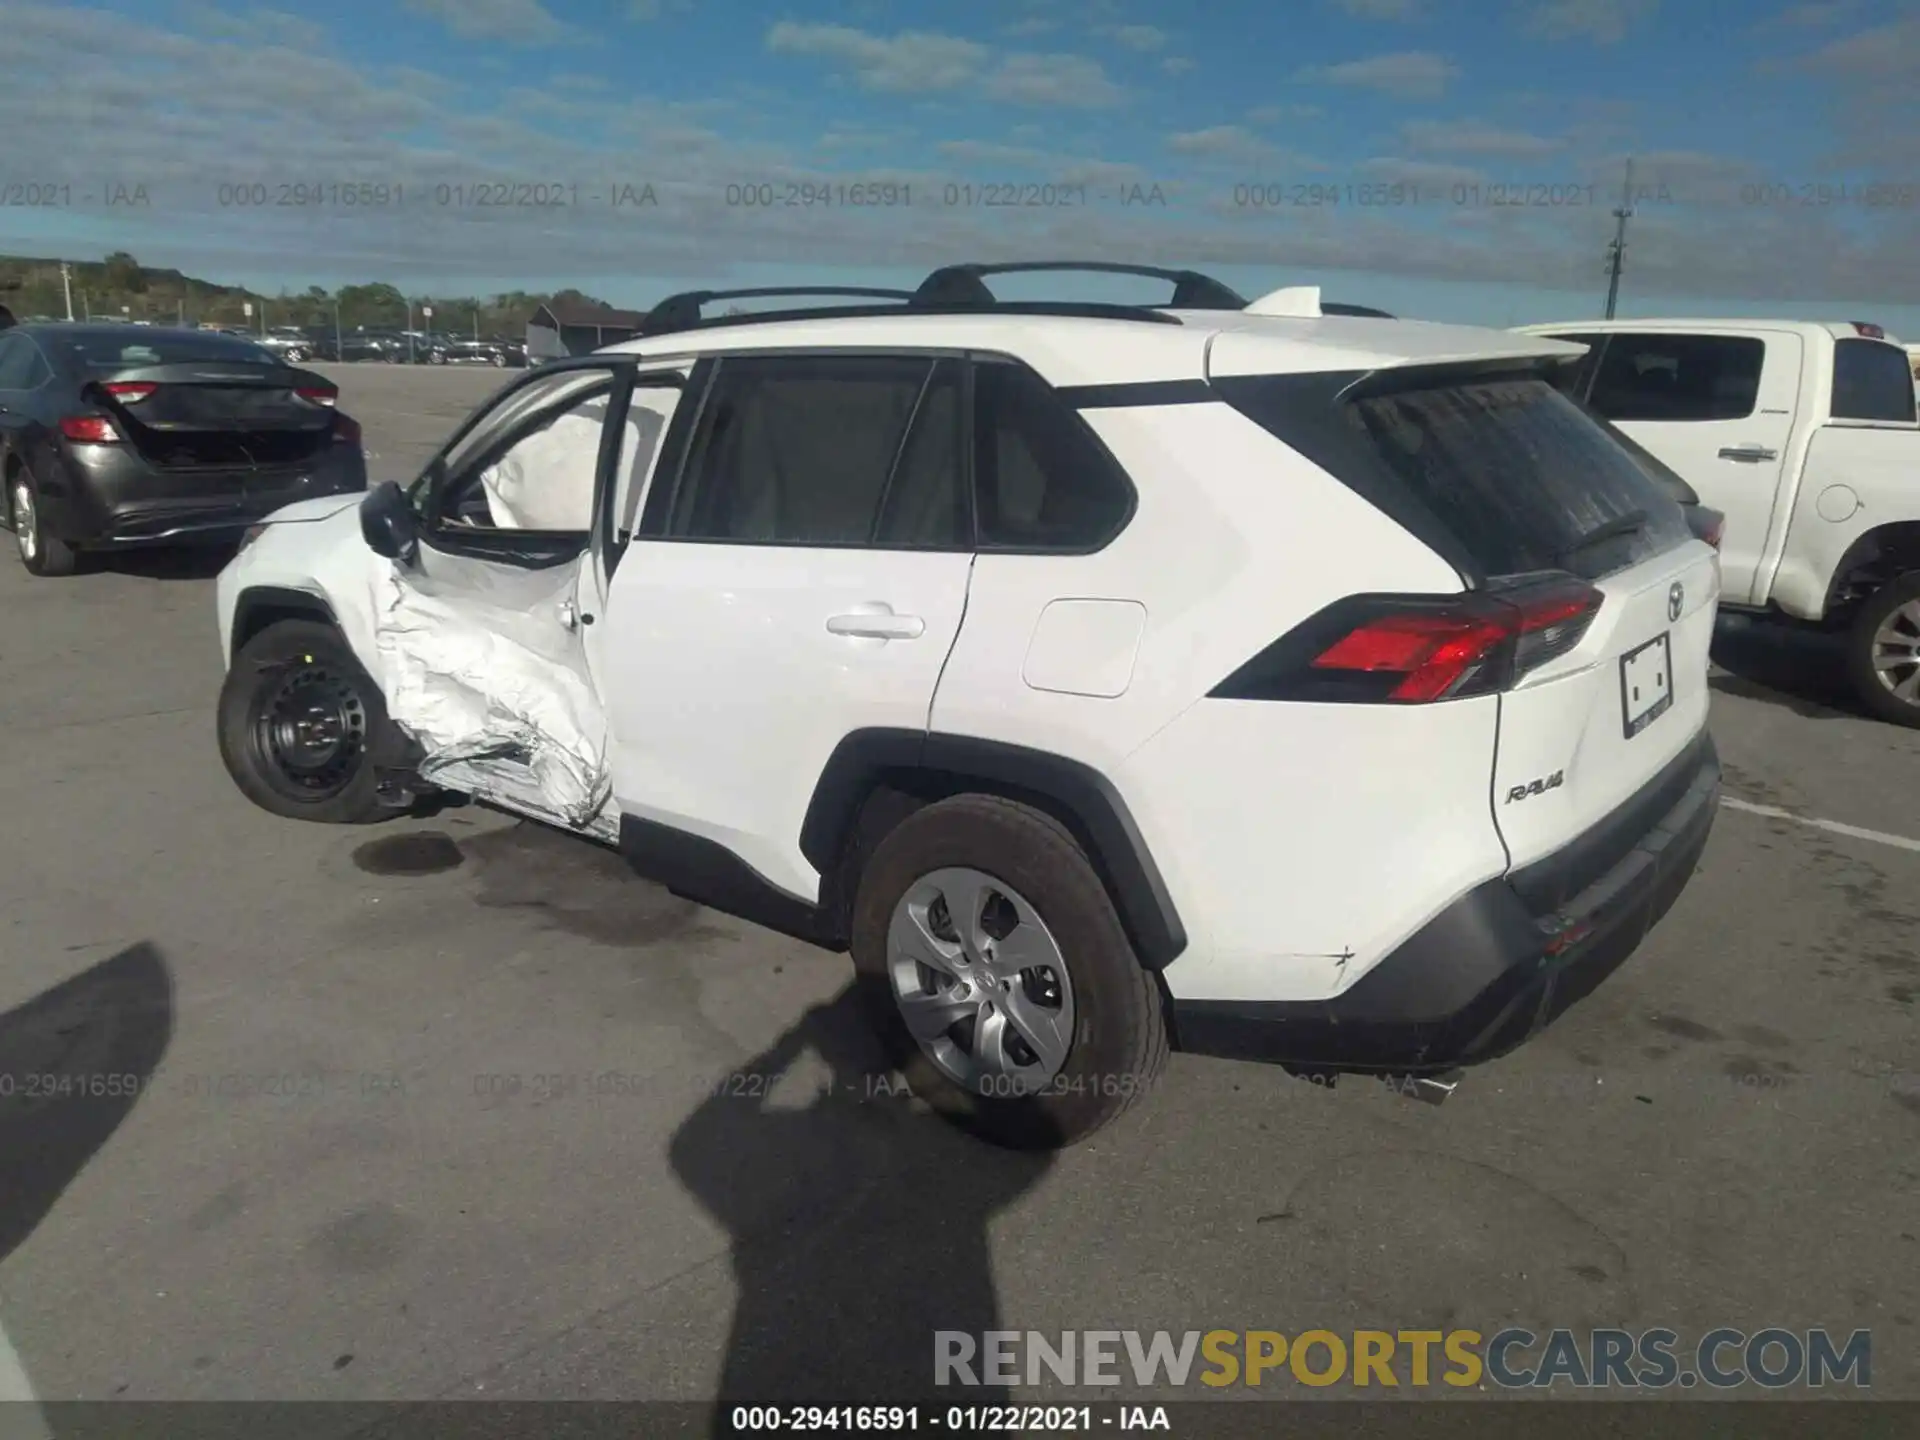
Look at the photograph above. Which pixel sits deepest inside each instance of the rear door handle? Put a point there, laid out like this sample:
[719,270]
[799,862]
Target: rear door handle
[878,625]
[1754,453]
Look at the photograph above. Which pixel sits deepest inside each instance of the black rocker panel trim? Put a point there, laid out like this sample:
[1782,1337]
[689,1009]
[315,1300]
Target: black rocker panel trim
[863,760]
[697,868]
[264,605]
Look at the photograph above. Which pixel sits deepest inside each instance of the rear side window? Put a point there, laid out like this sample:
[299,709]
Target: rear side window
[14,356]
[1504,476]
[800,451]
[1871,381]
[1678,377]
[1042,479]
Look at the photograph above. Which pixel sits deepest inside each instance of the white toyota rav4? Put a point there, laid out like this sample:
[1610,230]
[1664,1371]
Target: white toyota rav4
[1263,681]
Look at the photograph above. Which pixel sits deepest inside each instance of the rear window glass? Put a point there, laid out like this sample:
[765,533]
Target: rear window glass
[1871,381]
[107,352]
[1509,471]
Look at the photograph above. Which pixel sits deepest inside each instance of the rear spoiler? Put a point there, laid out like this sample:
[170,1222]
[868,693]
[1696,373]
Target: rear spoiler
[1303,302]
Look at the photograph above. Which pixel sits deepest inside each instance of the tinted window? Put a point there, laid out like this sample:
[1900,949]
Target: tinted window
[1506,475]
[926,500]
[1678,377]
[105,352]
[1042,480]
[1871,381]
[1571,378]
[797,450]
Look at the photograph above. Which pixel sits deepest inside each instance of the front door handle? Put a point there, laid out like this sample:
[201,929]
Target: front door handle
[1752,453]
[569,615]
[878,625]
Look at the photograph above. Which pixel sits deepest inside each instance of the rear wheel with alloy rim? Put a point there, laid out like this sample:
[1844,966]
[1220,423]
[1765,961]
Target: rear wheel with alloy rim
[1000,977]
[1883,652]
[40,552]
[301,723]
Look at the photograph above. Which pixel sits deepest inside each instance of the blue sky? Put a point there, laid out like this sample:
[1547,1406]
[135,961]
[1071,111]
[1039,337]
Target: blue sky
[1453,159]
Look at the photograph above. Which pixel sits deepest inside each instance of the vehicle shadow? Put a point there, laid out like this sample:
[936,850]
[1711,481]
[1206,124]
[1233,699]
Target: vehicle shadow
[74,1061]
[858,1223]
[181,562]
[1800,670]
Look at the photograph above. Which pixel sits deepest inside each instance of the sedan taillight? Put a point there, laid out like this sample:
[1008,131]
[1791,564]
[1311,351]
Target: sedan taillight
[318,394]
[130,392]
[89,429]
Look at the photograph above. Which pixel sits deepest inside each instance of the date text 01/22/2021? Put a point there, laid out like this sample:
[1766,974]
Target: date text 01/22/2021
[958,1419]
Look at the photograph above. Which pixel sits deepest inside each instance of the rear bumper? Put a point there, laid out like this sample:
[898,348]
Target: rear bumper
[120,502]
[1504,961]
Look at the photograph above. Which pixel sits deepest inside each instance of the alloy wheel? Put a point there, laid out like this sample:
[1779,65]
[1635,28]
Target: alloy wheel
[1896,652]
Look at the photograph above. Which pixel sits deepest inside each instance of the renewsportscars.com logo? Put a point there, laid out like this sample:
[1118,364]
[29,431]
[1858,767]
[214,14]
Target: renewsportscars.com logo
[1773,1358]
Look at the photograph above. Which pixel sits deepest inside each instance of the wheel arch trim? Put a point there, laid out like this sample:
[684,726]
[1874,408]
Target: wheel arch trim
[1082,796]
[262,605]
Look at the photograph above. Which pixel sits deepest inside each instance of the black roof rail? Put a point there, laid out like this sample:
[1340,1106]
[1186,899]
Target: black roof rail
[965,284]
[1071,310]
[682,311]
[1335,307]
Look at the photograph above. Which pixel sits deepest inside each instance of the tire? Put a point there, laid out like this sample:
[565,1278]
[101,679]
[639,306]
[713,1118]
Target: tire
[496,359]
[41,552]
[436,358]
[1117,1036]
[337,788]
[1886,625]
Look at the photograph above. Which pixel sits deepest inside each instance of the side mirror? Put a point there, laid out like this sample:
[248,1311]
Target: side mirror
[388,524]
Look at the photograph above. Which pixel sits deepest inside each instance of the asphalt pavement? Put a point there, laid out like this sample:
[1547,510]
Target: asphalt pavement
[437,1108]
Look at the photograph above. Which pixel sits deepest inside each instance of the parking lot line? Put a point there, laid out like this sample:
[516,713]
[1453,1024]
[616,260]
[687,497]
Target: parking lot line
[1774,812]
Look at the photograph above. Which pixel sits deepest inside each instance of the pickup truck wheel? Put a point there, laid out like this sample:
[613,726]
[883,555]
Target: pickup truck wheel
[299,722]
[41,552]
[1883,652]
[1000,978]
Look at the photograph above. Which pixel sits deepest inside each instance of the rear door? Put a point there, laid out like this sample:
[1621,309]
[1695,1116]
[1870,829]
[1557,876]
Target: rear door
[1529,485]
[801,577]
[1719,407]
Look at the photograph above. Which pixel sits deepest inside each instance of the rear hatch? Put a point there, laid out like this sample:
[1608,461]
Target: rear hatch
[1542,512]
[219,415]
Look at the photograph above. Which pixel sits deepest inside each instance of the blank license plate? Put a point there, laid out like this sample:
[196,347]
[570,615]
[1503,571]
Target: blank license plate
[1646,684]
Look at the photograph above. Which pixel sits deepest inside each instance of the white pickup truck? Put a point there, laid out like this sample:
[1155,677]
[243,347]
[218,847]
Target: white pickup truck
[1804,437]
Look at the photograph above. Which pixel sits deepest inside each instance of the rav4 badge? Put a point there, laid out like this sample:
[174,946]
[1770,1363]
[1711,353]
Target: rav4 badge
[1536,787]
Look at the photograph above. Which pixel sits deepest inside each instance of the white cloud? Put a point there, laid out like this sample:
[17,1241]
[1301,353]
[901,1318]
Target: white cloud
[1070,81]
[1604,21]
[1178,65]
[1475,137]
[905,63]
[518,22]
[1407,74]
[1222,142]
[1144,38]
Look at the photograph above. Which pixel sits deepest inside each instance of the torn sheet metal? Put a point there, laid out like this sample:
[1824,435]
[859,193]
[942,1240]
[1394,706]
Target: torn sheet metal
[477,666]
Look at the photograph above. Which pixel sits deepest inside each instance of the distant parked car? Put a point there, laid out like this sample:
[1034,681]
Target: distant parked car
[115,436]
[487,352]
[372,345]
[289,342]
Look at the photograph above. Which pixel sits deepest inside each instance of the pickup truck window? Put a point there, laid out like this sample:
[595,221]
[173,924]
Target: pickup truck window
[1871,381]
[1678,377]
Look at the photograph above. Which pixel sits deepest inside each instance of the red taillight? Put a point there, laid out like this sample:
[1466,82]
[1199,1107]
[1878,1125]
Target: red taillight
[1412,649]
[318,394]
[129,392]
[1433,654]
[346,429]
[1706,524]
[90,429]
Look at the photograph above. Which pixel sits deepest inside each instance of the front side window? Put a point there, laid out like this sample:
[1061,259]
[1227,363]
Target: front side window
[532,464]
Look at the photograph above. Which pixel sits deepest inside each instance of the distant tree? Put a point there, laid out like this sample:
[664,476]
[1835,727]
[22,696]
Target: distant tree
[123,274]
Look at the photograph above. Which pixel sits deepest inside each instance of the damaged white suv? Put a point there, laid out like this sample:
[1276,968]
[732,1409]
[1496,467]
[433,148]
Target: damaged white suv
[1268,682]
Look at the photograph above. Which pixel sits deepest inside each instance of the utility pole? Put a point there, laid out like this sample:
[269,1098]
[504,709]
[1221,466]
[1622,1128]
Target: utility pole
[1619,245]
[66,285]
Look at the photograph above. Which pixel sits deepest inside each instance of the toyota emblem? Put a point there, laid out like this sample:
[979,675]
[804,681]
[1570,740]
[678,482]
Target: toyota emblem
[1676,599]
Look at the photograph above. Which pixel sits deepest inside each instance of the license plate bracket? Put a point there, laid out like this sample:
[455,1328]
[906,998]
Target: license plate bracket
[1646,683]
